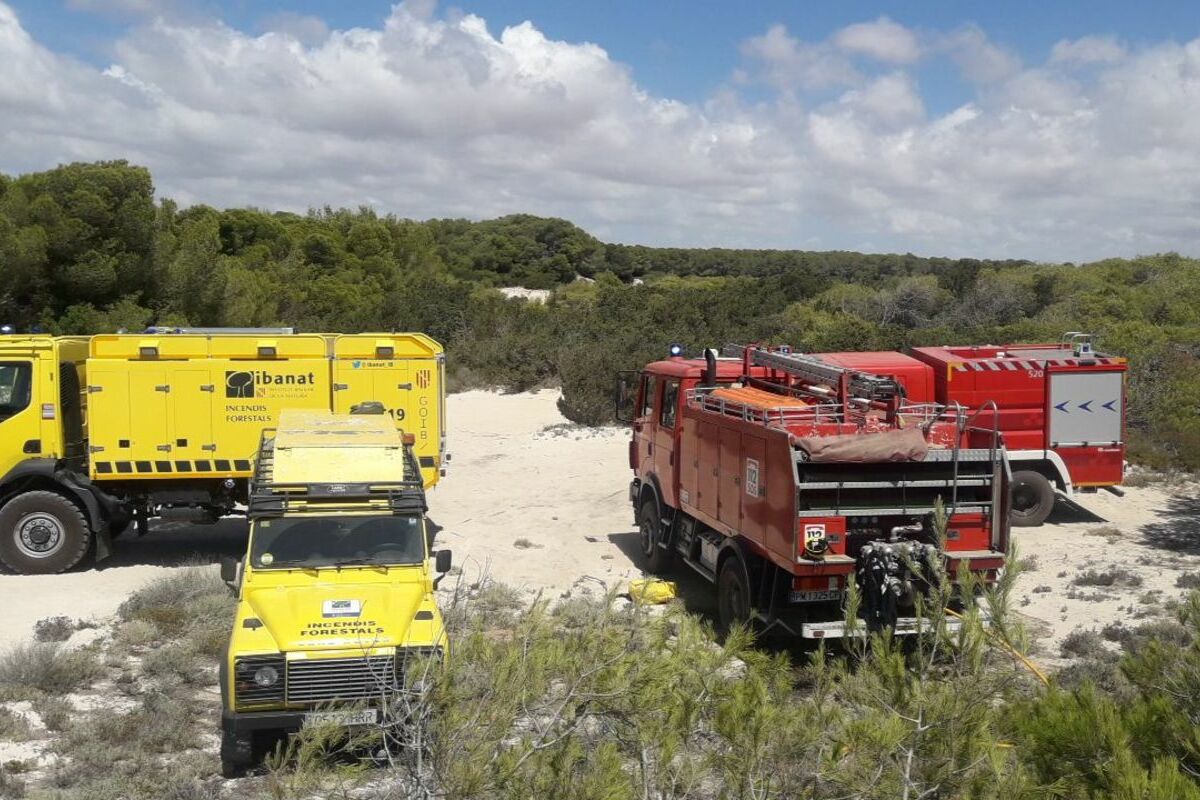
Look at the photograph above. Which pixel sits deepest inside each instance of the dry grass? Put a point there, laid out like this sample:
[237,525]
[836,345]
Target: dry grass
[29,670]
[14,727]
[1113,576]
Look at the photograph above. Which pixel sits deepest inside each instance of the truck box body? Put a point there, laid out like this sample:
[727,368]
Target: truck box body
[746,476]
[1049,399]
[178,405]
[1061,411]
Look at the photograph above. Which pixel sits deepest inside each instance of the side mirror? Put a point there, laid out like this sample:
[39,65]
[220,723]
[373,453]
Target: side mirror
[229,571]
[624,395]
[441,564]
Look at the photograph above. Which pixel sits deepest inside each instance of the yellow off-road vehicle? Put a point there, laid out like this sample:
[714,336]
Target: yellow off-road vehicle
[336,591]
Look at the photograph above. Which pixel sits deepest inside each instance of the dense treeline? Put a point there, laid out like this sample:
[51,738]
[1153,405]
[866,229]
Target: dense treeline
[85,248]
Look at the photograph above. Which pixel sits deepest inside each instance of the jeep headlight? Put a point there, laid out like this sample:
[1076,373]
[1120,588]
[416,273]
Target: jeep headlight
[259,679]
[266,676]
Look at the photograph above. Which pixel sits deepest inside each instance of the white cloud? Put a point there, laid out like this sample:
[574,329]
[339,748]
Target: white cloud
[882,39]
[303,28]
[1088,50]
[980,60]
[432,115]
[788,63]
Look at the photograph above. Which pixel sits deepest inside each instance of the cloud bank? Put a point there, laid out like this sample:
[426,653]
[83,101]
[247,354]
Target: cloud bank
[816,144]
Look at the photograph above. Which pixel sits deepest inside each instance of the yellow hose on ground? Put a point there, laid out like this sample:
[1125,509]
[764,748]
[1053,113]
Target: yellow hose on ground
[1029,665]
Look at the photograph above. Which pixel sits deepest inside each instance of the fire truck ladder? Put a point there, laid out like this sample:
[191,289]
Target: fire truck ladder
[861,385]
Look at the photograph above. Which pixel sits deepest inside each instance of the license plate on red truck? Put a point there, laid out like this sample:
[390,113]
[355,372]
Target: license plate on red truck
[816,596]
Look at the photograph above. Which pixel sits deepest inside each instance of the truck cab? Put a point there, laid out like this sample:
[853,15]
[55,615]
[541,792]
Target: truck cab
[336,615]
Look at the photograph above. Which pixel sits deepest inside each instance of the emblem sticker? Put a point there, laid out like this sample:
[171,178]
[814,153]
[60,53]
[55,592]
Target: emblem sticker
[341,608]
[751,477]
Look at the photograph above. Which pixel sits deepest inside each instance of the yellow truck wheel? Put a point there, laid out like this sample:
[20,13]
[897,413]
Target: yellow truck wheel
[42,532]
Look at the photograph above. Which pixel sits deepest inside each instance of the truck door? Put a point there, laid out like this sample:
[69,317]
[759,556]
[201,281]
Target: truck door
[664,442]
[19,423]
[644,425]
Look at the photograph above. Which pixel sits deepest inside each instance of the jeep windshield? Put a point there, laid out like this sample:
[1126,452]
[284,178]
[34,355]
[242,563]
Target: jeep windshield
[290,542]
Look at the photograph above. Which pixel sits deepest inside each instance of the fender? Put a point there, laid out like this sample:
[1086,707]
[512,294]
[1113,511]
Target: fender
[735,547]
[650,484]
[96,504]
[1058,467]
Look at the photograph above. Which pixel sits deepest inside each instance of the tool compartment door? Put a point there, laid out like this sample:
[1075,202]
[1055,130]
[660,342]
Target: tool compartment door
[708,470]
[149,430]
[192,392]
[1085,408]
[729,494]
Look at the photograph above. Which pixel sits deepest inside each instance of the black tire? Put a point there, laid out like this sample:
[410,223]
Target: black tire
[1032,499]
[733,595]
[237,754]
[655,559]
[42,533]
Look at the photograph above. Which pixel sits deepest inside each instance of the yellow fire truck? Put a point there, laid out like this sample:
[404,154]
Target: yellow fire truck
[103,433]
[336,620]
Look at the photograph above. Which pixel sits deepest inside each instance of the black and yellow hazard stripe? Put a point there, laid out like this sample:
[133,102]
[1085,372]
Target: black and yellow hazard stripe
[173,467]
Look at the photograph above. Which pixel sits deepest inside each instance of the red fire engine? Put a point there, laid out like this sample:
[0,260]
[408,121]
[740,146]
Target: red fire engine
[1061,409]
[778,476]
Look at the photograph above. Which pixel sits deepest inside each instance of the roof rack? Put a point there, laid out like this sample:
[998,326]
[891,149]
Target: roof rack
[269,498]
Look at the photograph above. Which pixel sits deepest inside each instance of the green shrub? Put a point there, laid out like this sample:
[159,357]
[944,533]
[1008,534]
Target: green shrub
[46,667]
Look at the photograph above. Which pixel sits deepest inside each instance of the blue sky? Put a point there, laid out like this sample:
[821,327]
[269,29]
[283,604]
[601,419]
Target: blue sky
[1018,128]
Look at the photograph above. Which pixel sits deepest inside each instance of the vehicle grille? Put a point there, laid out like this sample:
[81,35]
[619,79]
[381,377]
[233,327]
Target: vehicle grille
[325,679]
[247,691]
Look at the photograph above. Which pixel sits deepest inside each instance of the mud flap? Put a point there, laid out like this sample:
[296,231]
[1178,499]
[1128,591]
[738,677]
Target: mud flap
[104,545]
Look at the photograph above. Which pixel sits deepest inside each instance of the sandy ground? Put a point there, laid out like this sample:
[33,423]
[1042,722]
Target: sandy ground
[535,502]
[1148,539]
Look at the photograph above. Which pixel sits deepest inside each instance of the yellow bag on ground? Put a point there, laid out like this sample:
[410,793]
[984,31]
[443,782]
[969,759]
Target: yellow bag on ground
[652,591]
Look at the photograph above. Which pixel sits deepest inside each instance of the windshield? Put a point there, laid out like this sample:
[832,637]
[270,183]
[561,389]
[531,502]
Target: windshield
[337,540]
[14,387]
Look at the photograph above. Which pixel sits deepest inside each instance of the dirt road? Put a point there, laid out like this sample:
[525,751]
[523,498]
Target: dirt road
[540,504]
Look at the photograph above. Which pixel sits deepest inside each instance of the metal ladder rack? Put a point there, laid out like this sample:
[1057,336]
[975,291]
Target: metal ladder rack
[859,384]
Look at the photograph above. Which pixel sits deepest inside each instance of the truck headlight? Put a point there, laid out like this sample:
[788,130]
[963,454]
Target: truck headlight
[266,676]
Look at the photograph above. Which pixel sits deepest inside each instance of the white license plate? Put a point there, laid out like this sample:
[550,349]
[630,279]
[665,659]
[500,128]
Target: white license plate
[818,596]
[365,716]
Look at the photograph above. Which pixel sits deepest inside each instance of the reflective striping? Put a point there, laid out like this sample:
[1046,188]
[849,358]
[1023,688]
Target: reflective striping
[170,467]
